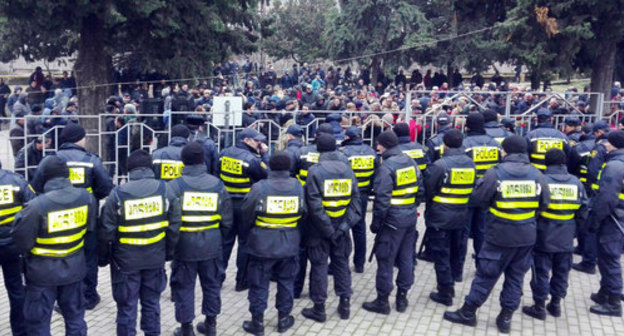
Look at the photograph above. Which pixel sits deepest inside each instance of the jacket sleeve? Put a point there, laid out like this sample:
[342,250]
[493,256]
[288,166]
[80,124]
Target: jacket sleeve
[20,162]
[258,170]
[103,183]
[319,219]
[93,214]
[383,193]
[26,193]
[608,195]
[26,227]
[434,177]
[580,215]
[354,210]
[484,190]
[420,195]
[107,230]
[430,147]
[37,180]
[174,215]
[595,164]
[248,207]
[227,215]
[544,197]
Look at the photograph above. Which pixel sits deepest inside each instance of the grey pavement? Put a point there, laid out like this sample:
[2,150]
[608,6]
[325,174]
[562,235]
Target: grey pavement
[423,316]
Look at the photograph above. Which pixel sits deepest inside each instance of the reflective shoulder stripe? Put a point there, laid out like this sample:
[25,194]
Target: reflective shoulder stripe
[450,200]
[199,219]
[10,211]
[402,201]
[521,216]
[62,240]
[556,216]
[166,161]
[143,228]
[80,164]
[198,228]
[513,205]
[142,241]
[55,253]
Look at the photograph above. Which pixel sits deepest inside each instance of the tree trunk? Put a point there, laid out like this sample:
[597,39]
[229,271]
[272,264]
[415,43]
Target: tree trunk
[535,79]
[375,69]
[602,72]
[449,75]
[93,69]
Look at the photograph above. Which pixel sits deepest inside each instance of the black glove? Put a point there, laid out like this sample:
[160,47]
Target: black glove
[375,227]
[336,236]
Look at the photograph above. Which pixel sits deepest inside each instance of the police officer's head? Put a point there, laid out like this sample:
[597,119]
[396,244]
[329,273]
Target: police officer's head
[514,144]
[615,140]
[353,133]
[193,154]
[324,128]
[571,124]
[453,139]
[475,123]
[252,138]
[294,132]
[490,115]
[194,122]
[600,128]
[180,131]
[73,133]
[325,143]
[280,161]
[386,140]
[443,119]
[54,167]
[555,157]
[139,159]
[544,115]
[401,129]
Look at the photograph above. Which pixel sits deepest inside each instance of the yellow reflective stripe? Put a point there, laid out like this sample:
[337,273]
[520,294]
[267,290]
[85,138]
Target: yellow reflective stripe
[422,166]
[55,253]
[563,206]
[197,219]
[237,190]
[143,228]
[336,203]
[583,171]
[450,200]
[583,179]
[79,164]
[621,196]
[402,201]
[521,216]
[556,216]
[335,213]
[10,211]
[539,166]
[7,220]
[90,190]
[595,186]
[279,220]
[364,183]
[405,191]
[303,172]
[62,240]
[485,166]
[364,174]
[198,228]
[513,205]
[276,226]
[235,179]
[142,241]
[455,191]
[538,156]
[31,189]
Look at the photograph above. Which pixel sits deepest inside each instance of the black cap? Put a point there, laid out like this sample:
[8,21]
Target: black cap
[601,125]
[475,122]
[324,128]
[544,113]
[616,138]
[54,167]
[453,138]
[280,161]
[443,119]
[180,130]
[192,154]
[72,133]
[138,159]
[401,129]
[252,134]
[295,130]
[490,115]
[572,121]
[195,120]
[555,156]
[388,139]
[353,132]
[515,144]
[325,143]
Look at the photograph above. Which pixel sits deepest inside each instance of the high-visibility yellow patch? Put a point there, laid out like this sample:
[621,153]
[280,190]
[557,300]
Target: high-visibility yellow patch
[282,205]
[200,201]
[518,189]
[362,162]
[77,175]
[406,175]
[171,170]
[143,208]
[337,188]
[414,153]
[64,220]
[543,145]
[563,192]
[232,166]
[6,194]
[313,157]
[462,176]
[484,154]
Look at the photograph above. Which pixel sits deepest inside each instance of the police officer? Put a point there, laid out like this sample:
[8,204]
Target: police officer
[606,218]
[572,129]
[274,208]
[49,232]
[239,167]
[196,125]
[333,201]
[138,231]
[294,134]
[398,191]
[363,160]
[435,144]
[167,160]
[206,218]
[412,149]
[556,228]
[449,183]
[485,153]
[14,193]
[543,138]
[493,128]
[513,191]
[85,171]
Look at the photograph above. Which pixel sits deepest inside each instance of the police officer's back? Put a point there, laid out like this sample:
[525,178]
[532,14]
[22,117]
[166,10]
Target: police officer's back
[572,129]
[309,155]
[493,128]
[49,231]
[168,160]
[543,138]
[435,145]
[197,125]
[294,133]
[412,149]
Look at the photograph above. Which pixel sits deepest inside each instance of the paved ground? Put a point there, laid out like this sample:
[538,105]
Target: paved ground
[423,317]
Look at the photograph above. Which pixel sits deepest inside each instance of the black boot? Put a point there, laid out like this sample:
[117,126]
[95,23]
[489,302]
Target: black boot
[401,301]
[613,307]
[503,320]
[444,296]
[380,305]
[582,267]
[343,308]
[255,326]
[601,297]
[285,322]
[186,329]
[208,327]
[465,315]
[536,311]
[241,286]
[316,313]
[554,307]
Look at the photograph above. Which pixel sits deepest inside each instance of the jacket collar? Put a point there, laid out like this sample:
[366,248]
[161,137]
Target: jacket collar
[545,124]
[194,170]
[296,142]
[517,157]
[556,170]
[69,145]
[453,151]
[275,174]
[491,124]
[178,142]
[141,173]
[391,152]
[617,152]
[56,184]
[352,142]
[404,139]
